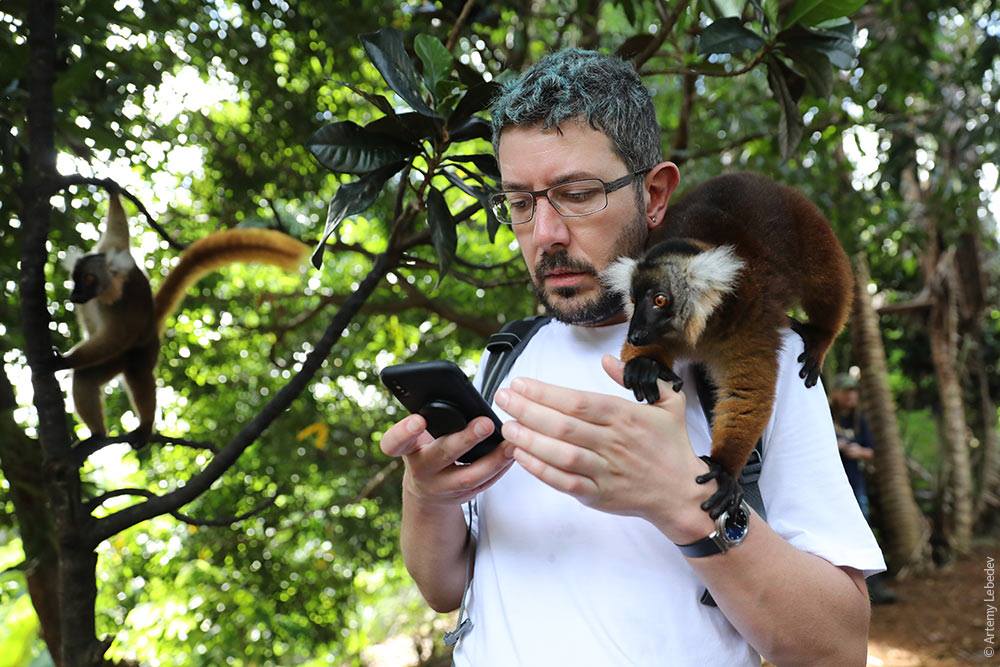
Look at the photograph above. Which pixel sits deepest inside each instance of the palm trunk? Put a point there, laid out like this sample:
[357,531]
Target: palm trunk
[906,533]
[943,333]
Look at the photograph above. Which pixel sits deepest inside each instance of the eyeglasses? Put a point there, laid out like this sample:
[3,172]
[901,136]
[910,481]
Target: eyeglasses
[571,200]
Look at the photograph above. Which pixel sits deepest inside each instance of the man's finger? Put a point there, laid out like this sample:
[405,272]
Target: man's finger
[558,453]
[549,421]
[404,437]
[447,449]
[588,406]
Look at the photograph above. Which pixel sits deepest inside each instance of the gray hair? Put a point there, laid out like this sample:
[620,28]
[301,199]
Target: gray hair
[604,91]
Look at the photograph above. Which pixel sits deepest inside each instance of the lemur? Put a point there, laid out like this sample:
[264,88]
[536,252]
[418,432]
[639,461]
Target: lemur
[122,319]
[714,286]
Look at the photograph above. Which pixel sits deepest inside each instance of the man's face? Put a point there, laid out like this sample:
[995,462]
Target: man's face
[846,399]
[564,255]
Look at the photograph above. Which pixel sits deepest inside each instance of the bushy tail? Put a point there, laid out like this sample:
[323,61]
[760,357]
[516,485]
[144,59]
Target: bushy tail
[263,246]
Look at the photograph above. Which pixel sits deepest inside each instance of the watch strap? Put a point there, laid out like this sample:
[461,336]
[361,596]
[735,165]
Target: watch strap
[706,546]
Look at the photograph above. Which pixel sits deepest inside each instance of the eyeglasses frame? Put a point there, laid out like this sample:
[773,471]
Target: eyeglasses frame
[609,187]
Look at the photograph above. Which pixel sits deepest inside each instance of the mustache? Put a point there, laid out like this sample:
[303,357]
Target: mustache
[561,260]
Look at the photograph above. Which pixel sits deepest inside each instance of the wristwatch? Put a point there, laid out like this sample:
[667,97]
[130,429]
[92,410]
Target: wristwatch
[730,530]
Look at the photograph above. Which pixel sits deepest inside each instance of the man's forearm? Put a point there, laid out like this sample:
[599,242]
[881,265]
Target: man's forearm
[793,607]
[433,541]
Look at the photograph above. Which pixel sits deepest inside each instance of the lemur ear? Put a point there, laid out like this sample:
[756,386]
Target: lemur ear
[714,272]
[119,261]
[618,276]
[72,256]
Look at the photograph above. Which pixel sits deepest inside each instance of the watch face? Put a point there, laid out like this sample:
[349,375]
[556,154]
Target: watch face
[736,525]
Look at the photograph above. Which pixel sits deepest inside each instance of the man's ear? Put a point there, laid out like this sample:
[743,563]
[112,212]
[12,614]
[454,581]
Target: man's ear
[661,181]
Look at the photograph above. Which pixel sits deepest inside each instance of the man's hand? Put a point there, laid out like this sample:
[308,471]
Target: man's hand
[432,476]
[611,454]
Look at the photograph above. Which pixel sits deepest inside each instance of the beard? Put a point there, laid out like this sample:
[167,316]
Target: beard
[606,304]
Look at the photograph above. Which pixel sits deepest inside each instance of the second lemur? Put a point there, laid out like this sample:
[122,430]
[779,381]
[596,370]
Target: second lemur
[714,286]
[122,318]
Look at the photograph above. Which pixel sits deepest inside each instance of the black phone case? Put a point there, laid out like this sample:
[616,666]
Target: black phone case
[440,392]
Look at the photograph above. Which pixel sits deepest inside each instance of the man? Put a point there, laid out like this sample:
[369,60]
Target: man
[583,506]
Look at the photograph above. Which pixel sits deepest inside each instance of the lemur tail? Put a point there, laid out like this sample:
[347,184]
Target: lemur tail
[263,246]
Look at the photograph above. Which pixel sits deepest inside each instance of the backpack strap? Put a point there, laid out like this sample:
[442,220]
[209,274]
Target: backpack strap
[751,471]
[503,347]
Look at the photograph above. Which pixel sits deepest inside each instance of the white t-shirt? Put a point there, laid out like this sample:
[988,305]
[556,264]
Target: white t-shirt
[559,583]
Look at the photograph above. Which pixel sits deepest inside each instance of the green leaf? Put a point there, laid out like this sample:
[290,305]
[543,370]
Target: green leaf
[811,12]
[410,127]
[728,36]
[486,164]
[790,127]
[471,128]
[771,13]
[351,199]
[724,8]
[436,59]
[815,68]
[378,101]
[348,148]
[443,233]
[386,51]
[480,195]
[837,44]
[476,99]
[634,45]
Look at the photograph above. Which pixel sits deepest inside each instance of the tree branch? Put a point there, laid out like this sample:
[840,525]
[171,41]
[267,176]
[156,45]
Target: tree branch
[110,185]
[457,28]
[668,19]
[87,448]
[94,503]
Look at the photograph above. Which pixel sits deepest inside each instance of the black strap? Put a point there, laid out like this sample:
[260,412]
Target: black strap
[751,471]
[504,347]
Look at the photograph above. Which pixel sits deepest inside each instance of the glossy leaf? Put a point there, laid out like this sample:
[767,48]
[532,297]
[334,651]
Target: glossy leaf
[836,43]
[480,195]
[813,12]
[814,67]
[351,199]
[410,127]
[387,52]
[790,127]
[435,58]
[348,148]
[471,128]
[728,36]
[486,164]
[476,99]
[443,233]
[378,101]
[634,45]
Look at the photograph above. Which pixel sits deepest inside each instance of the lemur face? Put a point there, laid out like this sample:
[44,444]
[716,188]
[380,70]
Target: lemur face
[673,289]
[100,274]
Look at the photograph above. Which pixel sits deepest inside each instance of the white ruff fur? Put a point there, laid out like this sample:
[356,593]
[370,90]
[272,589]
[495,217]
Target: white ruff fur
[73,255]
[711,275]
[120,261]
[618,278]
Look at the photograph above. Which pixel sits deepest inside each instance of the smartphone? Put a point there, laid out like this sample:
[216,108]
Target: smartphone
[441,394]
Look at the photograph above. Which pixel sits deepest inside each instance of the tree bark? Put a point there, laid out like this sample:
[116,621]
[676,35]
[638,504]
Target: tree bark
[906,531]
[943,334]
[988,498]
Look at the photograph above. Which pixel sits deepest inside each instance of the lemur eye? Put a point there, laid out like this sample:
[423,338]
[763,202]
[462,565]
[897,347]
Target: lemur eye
[89,279]
[661,300]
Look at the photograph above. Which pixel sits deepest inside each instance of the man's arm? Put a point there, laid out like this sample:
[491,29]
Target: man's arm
[433,536]
[793,607]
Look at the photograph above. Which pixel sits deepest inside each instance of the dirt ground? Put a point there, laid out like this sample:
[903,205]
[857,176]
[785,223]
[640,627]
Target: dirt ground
[940,619]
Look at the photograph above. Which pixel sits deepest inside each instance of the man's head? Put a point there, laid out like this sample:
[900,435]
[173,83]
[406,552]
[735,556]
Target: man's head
[844,392]
[580,115]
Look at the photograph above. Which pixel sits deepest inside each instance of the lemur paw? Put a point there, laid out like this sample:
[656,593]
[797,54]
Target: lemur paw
[641,375]
[811,363]
[138,438]
[729,494]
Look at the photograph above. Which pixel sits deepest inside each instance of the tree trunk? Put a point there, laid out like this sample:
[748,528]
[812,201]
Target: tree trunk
[988,498]
[906,531]
[21,462]
[943,334]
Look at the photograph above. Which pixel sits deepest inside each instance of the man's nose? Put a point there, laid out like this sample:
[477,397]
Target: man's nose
[550,227]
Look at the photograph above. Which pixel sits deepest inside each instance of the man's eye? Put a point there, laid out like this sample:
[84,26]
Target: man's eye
[518,204]
[578,195]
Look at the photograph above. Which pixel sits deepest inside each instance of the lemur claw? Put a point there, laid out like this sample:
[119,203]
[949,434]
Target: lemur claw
[729,494]
[641,375]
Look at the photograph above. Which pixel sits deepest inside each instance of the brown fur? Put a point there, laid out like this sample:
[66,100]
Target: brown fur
[791,257]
